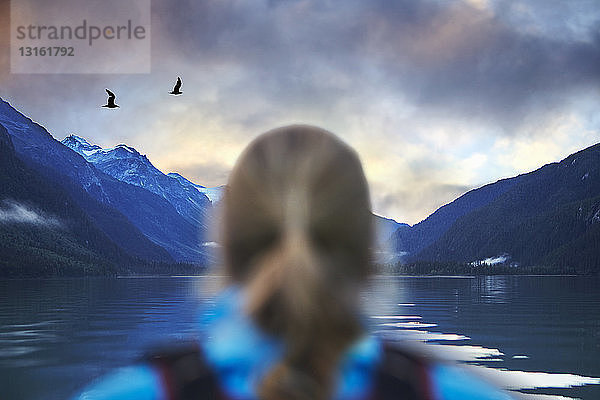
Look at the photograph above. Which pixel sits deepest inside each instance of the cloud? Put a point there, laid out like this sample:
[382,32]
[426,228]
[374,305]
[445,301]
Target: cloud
[209,175]
[415,202]
[565,132]
[15,213]
[437,97]
[462,61]
[450,56]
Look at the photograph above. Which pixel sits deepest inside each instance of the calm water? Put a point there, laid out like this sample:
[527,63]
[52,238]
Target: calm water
[57,335]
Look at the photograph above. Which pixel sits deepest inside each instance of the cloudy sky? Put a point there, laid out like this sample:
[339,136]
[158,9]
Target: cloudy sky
[438,97]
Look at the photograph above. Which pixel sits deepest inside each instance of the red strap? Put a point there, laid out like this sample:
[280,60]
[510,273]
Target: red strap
[166,380]
[426,384]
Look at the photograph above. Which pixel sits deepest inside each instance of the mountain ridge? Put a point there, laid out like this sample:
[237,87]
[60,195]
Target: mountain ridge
[549,216]
[535,221]
[149,213]
[126,164]
[43,231]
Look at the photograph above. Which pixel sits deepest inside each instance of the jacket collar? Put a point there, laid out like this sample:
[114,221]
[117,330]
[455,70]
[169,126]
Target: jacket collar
[241,354]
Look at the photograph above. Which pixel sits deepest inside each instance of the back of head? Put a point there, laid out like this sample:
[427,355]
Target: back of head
[297,233]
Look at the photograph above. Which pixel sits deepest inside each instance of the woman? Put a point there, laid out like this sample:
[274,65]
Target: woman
[296,235]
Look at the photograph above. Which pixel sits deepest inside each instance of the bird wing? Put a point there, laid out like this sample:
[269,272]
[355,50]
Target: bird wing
[111,95]
[177,85]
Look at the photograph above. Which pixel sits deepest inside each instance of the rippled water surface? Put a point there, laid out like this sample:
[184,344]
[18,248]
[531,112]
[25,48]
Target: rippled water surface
[539,335]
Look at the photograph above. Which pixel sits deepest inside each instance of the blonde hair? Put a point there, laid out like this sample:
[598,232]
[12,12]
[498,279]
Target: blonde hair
[297,234]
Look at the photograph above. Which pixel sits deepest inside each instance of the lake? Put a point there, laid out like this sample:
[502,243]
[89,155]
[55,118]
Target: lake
[541,334]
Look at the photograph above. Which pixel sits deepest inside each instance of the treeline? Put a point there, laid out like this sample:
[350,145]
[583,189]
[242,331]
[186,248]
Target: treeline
[567,236]
[456,268]
[41,251]
[28,251]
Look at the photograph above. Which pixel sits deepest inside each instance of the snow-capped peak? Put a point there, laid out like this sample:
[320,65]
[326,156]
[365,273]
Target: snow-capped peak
[80,145]
[124,147]
[76,138]
[93,152]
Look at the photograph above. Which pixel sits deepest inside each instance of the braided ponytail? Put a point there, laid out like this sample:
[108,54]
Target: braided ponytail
[296,232]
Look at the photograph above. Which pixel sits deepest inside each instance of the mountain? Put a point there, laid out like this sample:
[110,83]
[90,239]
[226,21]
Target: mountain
[61,167]
[214,194]
[43,232]
[126,164]
[144,223]
[385,228]
[412,240]
[548,217]
[105,207]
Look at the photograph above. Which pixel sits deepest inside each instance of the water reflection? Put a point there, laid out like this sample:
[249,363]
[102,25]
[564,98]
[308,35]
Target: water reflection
[497,292]
[519,380]
[532,334]
[408,325]
[492,289]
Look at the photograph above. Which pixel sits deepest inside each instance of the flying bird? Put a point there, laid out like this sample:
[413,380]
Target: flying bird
[176,88]
[110,103]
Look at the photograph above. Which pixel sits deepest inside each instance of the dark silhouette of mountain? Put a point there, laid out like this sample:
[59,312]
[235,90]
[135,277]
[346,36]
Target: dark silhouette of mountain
[414,239]
[43,231]
[116,205]
[548,217]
